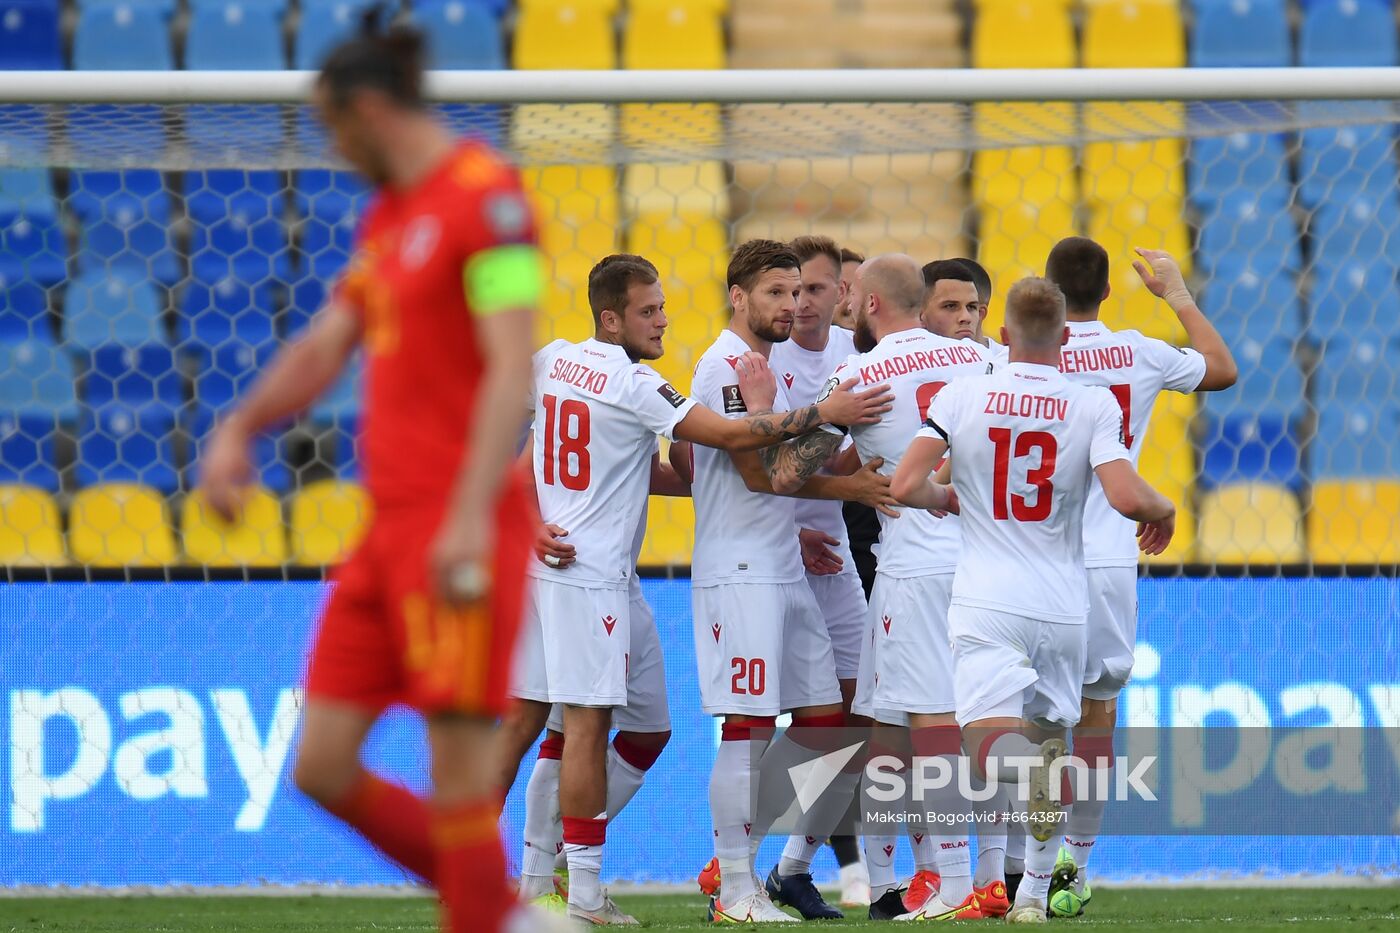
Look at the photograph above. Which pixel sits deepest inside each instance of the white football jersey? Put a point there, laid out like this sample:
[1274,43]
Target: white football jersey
[917,365]
[1134,368]
[996,352]
[803,374]
[596,417]
[740,536]
[1025,442]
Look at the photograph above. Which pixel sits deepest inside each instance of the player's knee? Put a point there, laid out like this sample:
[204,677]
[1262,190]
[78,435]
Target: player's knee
[323,775]
[641,749]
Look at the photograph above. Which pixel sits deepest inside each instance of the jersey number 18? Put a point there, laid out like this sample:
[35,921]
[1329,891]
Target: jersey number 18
[567,457]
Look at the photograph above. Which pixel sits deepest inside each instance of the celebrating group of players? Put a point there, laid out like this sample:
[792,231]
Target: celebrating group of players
[1001,610]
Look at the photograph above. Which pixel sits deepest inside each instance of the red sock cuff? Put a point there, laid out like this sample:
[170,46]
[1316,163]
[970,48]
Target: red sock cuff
[552,748]
[742,730]
[818,733]
[584,832]
[467,824]
[1092,748]
[641,757]
[827,721]
[932,741]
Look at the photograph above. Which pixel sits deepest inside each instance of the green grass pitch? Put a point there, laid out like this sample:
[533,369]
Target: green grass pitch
[1139,910]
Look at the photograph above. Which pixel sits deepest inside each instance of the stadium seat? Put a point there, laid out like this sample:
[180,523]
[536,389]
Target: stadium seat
[125,222]
[122,37]
[1354,298]
[691,253]
[237,225]
[1358,369]
[335,418]
[31,532]
[1242,34]
[579,221]
[1349,33]
[1251,523]
[111,307]
[322,27]
[1023,34]
[120,525]
[690,189]
[256,539]
[1143,171]
[1168,462]
[1243,447]
[1338,163]
[1238,164]
[461,34]
[235,36]
[36,376]
[328,519]
[30,36]
[24,310]
[267,454]
[329,204]
[1360,229]
[1357,439]
[123,444]
[1015,239]
[213,314]
[1249,302]
[32,247]
[1243,229]
[1024,175]
[1141,34]
[675,34]
[26,191]
[27,454]
[1355,522]
[231,370]
[133,376]
[574,34]
[1269,382]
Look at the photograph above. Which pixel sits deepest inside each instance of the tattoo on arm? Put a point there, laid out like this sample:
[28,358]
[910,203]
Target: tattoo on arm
[802,457]
[786,425]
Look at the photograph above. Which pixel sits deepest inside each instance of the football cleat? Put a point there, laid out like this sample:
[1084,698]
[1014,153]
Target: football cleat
[799,893]
[992,900]
[888,906]
[606,915]
[551,904]
[709,879]
[922,886]
[855,885]
[1069,893]
[561,882]
[1046,813]
[755,908]
[1033,912]
[934,909]
[532,919]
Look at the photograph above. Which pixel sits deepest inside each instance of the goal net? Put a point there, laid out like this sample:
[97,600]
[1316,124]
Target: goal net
[161,236]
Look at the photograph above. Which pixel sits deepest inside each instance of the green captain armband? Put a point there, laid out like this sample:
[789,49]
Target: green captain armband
[504,278]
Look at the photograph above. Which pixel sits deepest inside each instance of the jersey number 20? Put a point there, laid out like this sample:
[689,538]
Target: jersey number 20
[1018,506]
[568,454]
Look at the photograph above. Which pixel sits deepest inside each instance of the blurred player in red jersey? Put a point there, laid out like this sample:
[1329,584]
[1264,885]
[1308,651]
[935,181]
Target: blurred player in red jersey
[441,294]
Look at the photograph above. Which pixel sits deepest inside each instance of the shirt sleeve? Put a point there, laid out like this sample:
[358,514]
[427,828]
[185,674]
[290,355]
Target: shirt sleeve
[1182,367]
[655,401]
[716,386]
[1107,442]
[940,419]
[841,374]
[503,268]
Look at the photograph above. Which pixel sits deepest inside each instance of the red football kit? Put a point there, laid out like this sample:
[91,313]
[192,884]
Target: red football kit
[429,260]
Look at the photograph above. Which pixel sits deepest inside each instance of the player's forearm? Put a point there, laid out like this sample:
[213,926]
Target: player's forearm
[923,493]
[665,481]
[1221,370]
[766,429]
[797,461]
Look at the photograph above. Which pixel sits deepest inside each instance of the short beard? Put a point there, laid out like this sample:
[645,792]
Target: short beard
[863,337]
[768,333]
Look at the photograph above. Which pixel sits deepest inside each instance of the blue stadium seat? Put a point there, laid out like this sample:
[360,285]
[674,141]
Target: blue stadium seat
[322,26]
[141,133]
[30,38]
[111,307]
[1252,302]
[1357,439]
[267,455]
[235,36]
[1243,228]
[1270,381]
[33,248]
[342,403]
[1360,229]
[26,191]
[122,37]
[277,6]
[1354,298]
[125,218]
[1358,369]
[133,376]
[1336,163]
[24,309]
[1249,447]
[35,376]
[122,444]
[237,225]
[330,204]
[1241,34]
[1350,33]
[27,450]
[226,312]
[461,34]
[1252,163]
[232,368]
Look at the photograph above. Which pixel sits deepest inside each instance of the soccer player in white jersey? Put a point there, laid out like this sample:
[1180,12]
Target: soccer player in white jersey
[850,261]
[597,411]
[803,363]
[1026,445]
[761,643]
[1135,369]
[906,669]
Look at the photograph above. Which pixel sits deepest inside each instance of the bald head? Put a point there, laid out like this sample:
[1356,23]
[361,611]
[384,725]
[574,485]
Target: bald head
[897,280]
[1035,315]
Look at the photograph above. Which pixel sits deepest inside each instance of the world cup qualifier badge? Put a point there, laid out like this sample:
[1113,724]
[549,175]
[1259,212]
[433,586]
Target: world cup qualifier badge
[669,393]
[734,401]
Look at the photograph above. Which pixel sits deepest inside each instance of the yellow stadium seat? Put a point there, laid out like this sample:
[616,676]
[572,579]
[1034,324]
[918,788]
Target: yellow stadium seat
[1168,462]
[1015,241]
[328,519]
[1142,171]
[1355,522]
[1023,34]
[691,189]
[31,533]
[673,35]
[1024,175]
[257,539]
[120,525]
[579,220]
[1122,227]
[576,34]
[1251,523]
[670,532]
[1134,34]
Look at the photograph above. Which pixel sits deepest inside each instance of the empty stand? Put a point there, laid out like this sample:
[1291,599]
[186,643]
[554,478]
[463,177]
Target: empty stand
[1358,439]
[1350,33]
[111,307]
[31,531]
[328,518]
[1239,164]
[120,525]
[257,537]
[120,443]
[1137,34]
[1249,304]
[1246,448]
[461,34]
[30,37]
[1355,522]
[1241,34]
[235,36]
[122,37]
[1251,523]
[125,219]
[565,34]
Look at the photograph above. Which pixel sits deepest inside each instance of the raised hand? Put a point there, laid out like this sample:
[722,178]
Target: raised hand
[1163,278]
[757,385]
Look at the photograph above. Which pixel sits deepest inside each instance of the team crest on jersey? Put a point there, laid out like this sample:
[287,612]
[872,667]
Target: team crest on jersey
[715,629]
[507,215]
[420,239]
[733,401]
[733,361]
[668,392]
[609,622]
[787,378]
[886,620]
